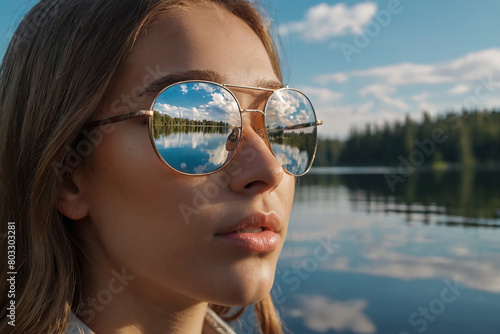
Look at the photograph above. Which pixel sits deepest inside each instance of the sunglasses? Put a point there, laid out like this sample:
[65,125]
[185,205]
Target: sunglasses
[196,126]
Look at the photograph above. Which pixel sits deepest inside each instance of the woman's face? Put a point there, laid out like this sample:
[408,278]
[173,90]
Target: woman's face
[161,226]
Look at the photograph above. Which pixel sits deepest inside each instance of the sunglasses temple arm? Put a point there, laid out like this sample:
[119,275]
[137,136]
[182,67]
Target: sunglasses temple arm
[119,118]
[305,125]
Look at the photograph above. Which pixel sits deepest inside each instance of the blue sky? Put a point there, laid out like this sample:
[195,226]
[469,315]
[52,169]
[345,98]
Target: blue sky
[376,61]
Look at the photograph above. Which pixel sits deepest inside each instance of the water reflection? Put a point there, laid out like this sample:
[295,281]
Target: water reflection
[194,152]
[197,126]
[465,195]
[321,314]
[198,149]
[396,253]
[291,129]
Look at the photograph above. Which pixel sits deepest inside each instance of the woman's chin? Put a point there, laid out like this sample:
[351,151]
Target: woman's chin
[241,298]
[244,289]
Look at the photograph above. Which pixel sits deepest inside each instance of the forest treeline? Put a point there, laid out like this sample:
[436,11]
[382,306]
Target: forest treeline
[468,138]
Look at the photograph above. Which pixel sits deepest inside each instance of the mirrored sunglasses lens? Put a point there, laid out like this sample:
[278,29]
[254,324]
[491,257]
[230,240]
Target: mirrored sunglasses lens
[196,126]
[291,130]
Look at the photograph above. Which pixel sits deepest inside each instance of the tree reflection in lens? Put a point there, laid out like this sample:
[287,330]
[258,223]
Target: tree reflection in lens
[197,127]
[191,126]
[291,129]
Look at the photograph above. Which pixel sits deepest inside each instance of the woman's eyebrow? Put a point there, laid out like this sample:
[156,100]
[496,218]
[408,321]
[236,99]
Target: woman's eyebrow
[204,75]
[170,79]
[271,84]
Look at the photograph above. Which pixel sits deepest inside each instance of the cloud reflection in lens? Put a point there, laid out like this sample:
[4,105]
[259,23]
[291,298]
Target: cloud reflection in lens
[291,130]
[191,126]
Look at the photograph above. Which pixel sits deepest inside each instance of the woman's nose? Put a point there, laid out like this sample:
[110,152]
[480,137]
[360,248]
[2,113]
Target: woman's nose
[259,169]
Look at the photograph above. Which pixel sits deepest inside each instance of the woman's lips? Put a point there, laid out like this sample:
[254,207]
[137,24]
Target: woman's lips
[264,241]
[256,233]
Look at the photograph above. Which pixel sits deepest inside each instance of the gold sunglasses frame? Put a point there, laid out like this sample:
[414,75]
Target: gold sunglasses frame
[150,114]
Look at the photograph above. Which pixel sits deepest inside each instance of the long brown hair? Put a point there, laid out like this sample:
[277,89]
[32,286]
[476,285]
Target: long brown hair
[53,77]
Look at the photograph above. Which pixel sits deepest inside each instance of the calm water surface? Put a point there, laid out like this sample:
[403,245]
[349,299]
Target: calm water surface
[423,257]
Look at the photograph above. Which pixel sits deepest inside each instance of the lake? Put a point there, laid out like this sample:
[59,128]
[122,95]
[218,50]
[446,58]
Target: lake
[420,256]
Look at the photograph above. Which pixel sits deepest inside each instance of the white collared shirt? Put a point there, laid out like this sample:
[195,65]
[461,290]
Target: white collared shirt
[214,322]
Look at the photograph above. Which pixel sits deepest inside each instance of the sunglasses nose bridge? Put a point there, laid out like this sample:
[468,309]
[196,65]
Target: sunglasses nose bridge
[256,122]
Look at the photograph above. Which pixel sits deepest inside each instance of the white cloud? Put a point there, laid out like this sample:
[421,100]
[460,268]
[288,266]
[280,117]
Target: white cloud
[472,80]
[473,65]
[206,87]
[324,79]
[460,250]
[321,314]
[398,74]
[428,107]
[323,21]
[459,90]
[172,111]
[405,74]
[469,68]
[184,89]
[491,103]
[321,94]
[339,119]
[223,103]
[292,109]
[290,156]
[363,108]
[381,93]
[482,275]
[424,96]
[424,105]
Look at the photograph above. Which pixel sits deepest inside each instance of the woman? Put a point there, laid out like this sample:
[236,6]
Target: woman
[148,159]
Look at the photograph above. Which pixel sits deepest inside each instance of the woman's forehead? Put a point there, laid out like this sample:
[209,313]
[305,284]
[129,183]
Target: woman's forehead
[195,40]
